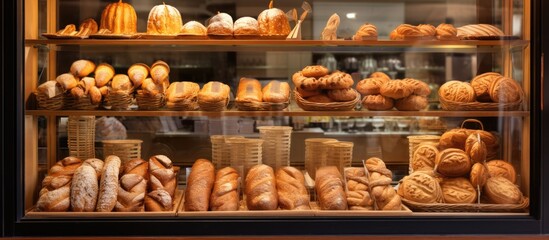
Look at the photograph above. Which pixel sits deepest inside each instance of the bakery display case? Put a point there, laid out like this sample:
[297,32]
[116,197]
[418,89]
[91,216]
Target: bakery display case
[280,117]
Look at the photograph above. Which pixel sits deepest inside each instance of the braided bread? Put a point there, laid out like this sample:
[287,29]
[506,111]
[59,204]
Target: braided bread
[380,182]
[133,186]
[162,174]
[358,197]
[55,192]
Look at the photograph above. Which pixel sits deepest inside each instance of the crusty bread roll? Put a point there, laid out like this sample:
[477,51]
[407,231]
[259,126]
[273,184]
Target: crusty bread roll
[386,197]
[131,193]
[194,28]
[473,31]
[158,201]
[342,95]
[424,157]
[273,22]
[96,164]
[182,91]
[136,166]
[454,138]
[95,95]
[405,31]
[214,92]
[82,68]
[420,187]
[500,168]
[276,92]
[458,190]
[246,26]
[164,19]
[292,194]
[260,188]
[505,90]
[121,83]
[412,103]
[370,86]
[249,89]
[138,73]
[315,71]
[67,81]
[396,89]
[221,24]
[479,174]
[55,193]
[84,189]
[481,85]
[453,162]
[162,174]
[329,189]
[108,186]
[457,91]
[358,195]
[103,74]
[199,186]
[379,75]
[225,195]
[57,200]
[336,80]
[500,190]
[377,102]
[150,87]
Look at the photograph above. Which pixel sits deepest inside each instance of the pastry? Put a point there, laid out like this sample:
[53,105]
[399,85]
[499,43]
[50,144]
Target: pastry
[454,138]
[221,24]
[427,30]
[138,73]
[457,91]
[458,190]
[424,157]
[377,102]
[69,30]
[199,186]
[321,98]
[305,83]
[82,68]
[306,94]
[446,31]
[481,85]
[358,195]
[276,92]
[418,87]
[336,80]
[104,72]
[290,186]
[366,32]
[330,31]
[329,189]
[453,162]
[246,26]
[194,28]
[249,90]
[67,81]
[342,95]
[500,190]
[405,31]
[108,186]
[476,148]
[182,91]
[396,89]
[379,75]
[84,189]
[411,103]
[316,71]
[119,18]
[505,90]
[386,197]
[164,19]
[273,22]
[87,27]
[121,83]
[160,72]
[158,201]
[370,86]
[420,187]
[162,175]
[479,175]
[214,92]
[500,168]
[225,195]
[261,193]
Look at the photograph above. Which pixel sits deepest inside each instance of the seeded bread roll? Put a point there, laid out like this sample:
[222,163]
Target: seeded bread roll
[225,195]
[199,186]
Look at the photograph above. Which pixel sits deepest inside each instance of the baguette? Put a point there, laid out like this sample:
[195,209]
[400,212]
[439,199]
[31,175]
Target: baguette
[108,187]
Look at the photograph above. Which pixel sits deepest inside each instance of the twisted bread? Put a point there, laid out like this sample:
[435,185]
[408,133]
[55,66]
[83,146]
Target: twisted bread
[358,197]
[55,192]
[292,194]
[261,188]
[162,174]
[136,166]
[329,188]
[380,182]
[133,186]
[225,195]
[199,186]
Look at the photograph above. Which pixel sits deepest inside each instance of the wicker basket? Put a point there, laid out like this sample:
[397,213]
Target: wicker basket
[315,154]
[244,153]
[334,106]
[220,152]
[184,105]
[53,103]
[118,101]
[82,103]
[261,106]
[471,207]
[149,102]
[124,149]
[276,145]
[415,141]
[339,154]
[480,106]
[213,106]
[81,136]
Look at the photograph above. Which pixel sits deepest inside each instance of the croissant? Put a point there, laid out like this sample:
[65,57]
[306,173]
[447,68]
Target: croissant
[380,183]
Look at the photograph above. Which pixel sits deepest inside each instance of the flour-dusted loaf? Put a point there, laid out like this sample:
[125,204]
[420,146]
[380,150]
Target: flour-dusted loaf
[329,189]
[84,189]
[246,26]
[273,22]
[162,174]
[260,188]
[225,195]
[276,92]
[194,28]
[221,24]
[108,186]
[292,194]
[199,186]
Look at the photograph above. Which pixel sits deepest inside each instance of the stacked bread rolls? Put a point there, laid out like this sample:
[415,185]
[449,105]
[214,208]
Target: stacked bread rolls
[315,84]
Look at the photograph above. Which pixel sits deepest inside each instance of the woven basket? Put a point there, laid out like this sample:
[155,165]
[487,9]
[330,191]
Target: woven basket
[54,103]
[334,106]
[118,101]
[339,154]
[220,151]
[149,102]
[276,145]
[480,106]
[183,105]
[81,136]
[260,106]
[315,154]
[124,149]
[82,103]
[213,106]
[244,152]
[415,141]
[472,207]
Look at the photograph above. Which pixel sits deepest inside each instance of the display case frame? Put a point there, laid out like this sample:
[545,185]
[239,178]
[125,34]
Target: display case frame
[13,176]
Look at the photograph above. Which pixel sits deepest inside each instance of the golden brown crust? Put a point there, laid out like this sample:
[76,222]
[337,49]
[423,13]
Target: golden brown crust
[194,28]
[182,91]
[453,162]
[162,175]
[479,175]
[458,190]
[481,85]
[427,30]
[342,95]
[119,18]
[329,188]
[424,157]
[370,86]
[82,68]
[164,19]
[502,169]
[420,187]
[221,24]
[358,195]
[306,94]
[305,83]
[315,71]
[158,201]
[104,72]
[249,89]
[411,103]
[337,80]
[454,138]
[276,92]
[246,26]
[476,148]
[366,30]
[505,90]
[273,22]
[292,194]
[225,195]
[500,190]
[418,87]
[377,102]
[386,197]
[260,188]
[214,92]
[457,91]
[396,89]
[199,186]
[379,75]
[405,30]
[446,32]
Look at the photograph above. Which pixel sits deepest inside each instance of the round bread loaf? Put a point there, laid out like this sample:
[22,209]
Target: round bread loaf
[479,174]
[273,22]
[457,91]
[342,95]
[500,190]
[458,190]
[453,162]
[315,71]
[411,103]
[396,89]
[370,86]
[379,75]
[194,28]
[246,26]
[305,83]
[377,102]
[500,168]
[424,157]
[476,148]
[505,90]
[420,187]
[454,138]
[481,85]
[418,87]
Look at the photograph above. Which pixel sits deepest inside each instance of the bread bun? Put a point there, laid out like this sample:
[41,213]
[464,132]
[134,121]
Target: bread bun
[67,81]
[418,87]
[194,28]
[305,83]
[182,91]
[404,31]
[420,187]
[336,80]
[479,175]
[160,72]
[370,86]
[273,22]
[481,85]
[500,190]
[453,162]
[122,83]
[505,90]
[457,91]
[104,72]
[276,92]
[500,168]
[476,148]
[377,102]
[412,103]
[82,68]
[424,157]
[458,190]
[246,26]
[138,73]
[220,24]
[342,95]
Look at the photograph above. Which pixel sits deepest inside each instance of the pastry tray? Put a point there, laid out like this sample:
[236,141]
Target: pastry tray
[31,214]
[59,36]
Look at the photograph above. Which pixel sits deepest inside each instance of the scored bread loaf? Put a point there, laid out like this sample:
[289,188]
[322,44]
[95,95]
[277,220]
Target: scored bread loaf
[162,174]
[225,195]
[84,189]
[260,188]
[133,186]
[108,186]
[329,189]
[386,197]
[358,195]
[158,201]
[249,89]
[199,186]
[292,194]
[55,192]
[276,92]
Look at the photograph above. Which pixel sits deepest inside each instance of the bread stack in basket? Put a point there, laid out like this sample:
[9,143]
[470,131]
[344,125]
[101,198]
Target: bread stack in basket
[250,96]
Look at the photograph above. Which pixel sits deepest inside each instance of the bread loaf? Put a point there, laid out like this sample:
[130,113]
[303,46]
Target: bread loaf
[458,190]
[336,80]
[396,89]
[84,189]
[424,157]
[481,85]
[315,71]
[214,92]
[67,81]
[457,91]
[56,186]
[329,189]
[162,174]
[306,94]
[182,91]
[500,168]
[500,190]
[427,30]
[453,162]
[505,90]
[221,24]
[330,31]
[419,87]
[225,195]
[446,32]
[420,187]
[82,68]
[119,18]
[57,200]
[194,28]
[108,186]
[249,90]
[377,102]
[305,83]
[479,175]
[96,164]
[50,89]
[158,201]
[342,95]
[199,186]
[405,31]
[246,26]
[164,19]
[358,195]
[454,138]
[104,72]
[386,197]
[160,72]
[292,194]
[273,22]
[136,166]
[366,31]
[476,148]
[276,92]
[121,83]
[133,186]
[150,87]
[260,188]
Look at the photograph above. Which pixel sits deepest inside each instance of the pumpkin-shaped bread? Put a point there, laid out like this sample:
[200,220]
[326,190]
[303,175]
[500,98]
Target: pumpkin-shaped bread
[119,18]
[164,19]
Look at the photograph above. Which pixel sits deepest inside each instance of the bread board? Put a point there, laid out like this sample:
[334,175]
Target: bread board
[59,36]
[32,214]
